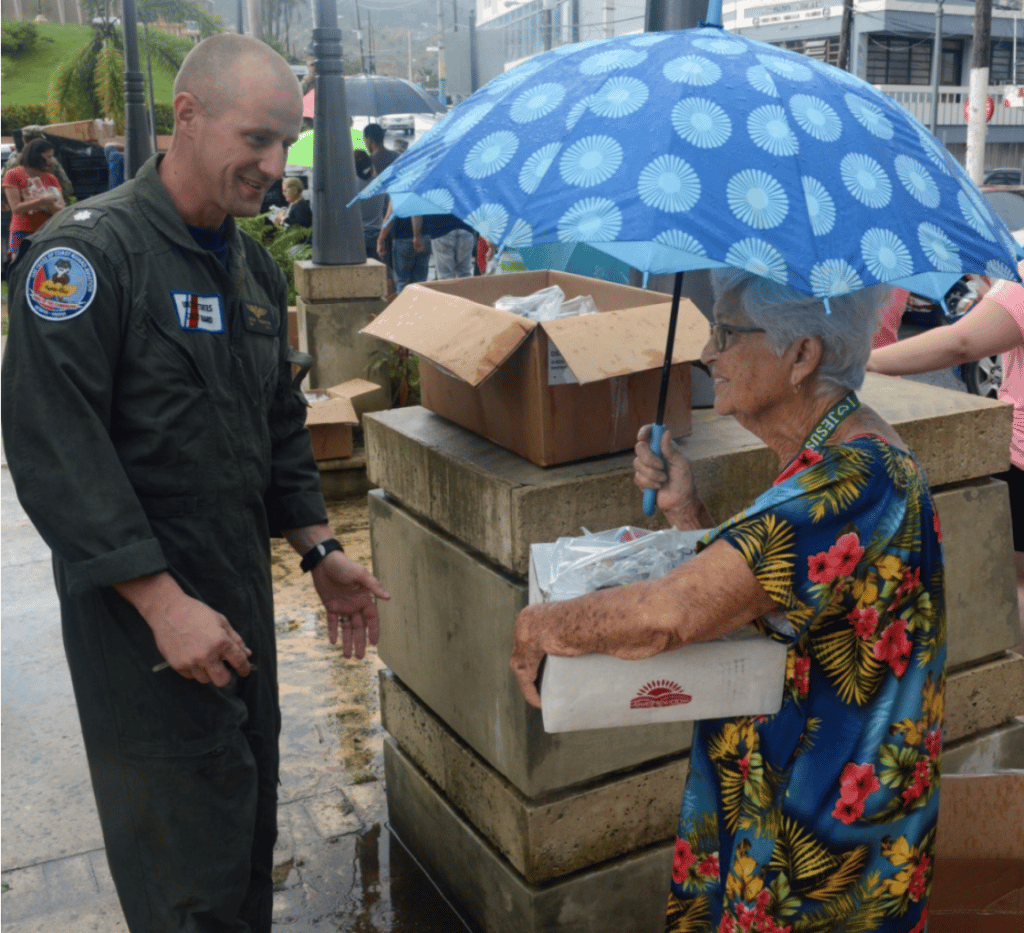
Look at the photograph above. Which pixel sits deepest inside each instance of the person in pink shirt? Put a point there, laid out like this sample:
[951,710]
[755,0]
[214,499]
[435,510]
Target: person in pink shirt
[889,319]
[994,325]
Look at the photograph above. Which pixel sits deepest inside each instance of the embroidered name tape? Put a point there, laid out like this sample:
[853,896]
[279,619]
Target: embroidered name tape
[199,312]
[61,284]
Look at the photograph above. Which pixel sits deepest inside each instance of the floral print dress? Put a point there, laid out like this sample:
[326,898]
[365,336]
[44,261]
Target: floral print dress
[821,818]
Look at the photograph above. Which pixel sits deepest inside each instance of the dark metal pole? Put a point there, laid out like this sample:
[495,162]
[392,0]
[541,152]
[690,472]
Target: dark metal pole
[149,72]
[136,139]
[843,61]
[239,24]
[337,229]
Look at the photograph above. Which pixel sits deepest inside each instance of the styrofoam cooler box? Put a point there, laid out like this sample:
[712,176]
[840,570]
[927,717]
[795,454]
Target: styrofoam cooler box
[741,674]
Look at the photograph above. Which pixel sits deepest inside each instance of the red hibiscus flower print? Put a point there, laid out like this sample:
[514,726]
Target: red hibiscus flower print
[818,568]
[744,764]
[845,554]
[805,459]
[710,867]
[864,621]
[802,675]
[840,560]
[922,779]
[935,525]
[894,647]
[911,581]
[919,880]
[848,810]
[921,924]
[682,861]
[858,782]
[933,742]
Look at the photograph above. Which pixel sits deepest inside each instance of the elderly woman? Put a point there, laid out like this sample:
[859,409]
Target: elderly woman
[822,816]
[299,212]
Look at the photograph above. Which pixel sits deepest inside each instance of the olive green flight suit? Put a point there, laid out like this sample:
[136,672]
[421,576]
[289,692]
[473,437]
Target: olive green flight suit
[157,428]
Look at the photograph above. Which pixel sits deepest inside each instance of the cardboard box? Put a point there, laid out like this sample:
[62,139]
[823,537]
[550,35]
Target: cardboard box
[978,881]
[331,417]
[552,392]
[739,675]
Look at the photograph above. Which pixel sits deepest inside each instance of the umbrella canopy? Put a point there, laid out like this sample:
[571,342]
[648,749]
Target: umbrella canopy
[701,149]
[301,151]
[377,95]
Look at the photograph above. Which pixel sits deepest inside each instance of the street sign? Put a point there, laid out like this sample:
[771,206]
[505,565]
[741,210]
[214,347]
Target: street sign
[990,108]
[1013,95]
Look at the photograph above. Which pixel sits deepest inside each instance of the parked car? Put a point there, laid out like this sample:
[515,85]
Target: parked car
[398,123]
[1002,176]
[985,376]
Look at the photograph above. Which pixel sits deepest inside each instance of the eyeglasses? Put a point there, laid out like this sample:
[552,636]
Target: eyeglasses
[720,333]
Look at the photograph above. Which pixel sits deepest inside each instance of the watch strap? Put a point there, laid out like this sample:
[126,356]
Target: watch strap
[318,552]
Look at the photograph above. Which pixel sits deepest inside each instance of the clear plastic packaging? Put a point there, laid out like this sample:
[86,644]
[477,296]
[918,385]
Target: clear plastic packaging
[604,559]
[547,304]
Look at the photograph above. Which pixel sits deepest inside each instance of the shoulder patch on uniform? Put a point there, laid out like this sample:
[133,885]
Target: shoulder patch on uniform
[85,217]
[61,284]
[199,312]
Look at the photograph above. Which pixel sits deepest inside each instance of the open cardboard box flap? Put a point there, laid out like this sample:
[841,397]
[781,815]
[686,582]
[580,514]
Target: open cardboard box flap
[337,408]
[466,338]
[617,343]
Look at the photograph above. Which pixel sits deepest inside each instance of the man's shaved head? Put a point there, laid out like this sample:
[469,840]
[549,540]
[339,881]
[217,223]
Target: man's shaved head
[219,67]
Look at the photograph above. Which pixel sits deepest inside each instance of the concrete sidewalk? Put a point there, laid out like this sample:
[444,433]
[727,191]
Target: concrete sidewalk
[338,868]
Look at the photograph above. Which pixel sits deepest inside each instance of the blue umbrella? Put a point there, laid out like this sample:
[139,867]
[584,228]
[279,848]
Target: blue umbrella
[701,149]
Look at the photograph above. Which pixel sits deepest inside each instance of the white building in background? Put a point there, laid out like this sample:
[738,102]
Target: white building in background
[891,44]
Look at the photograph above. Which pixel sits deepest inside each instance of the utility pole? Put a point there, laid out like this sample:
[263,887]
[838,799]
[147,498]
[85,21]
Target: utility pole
[455,15]
[239,18]
[442,94]
[976,122]
[372,67]
[474,74]
[609,18]
[936,69]
[252,8]
[546,24]
[359,35]
[845,28]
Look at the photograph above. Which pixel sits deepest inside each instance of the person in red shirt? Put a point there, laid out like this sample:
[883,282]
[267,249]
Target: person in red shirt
[32,192]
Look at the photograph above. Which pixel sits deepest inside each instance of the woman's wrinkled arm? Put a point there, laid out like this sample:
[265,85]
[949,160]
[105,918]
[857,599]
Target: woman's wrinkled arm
[709,596]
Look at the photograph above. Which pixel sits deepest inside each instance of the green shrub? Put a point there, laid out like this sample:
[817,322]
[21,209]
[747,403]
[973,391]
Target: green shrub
[285,244]
[15,116]
[18,36]
[164,114]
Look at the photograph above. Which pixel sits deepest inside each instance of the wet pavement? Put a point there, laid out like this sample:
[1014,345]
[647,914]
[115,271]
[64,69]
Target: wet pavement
[338,868]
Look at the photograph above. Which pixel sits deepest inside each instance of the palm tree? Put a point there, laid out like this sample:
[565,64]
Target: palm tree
[92,83]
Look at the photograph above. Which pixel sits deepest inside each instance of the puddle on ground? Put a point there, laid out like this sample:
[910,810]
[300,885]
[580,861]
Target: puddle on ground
[356,879]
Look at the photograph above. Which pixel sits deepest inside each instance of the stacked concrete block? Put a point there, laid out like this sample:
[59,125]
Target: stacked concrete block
[573,832]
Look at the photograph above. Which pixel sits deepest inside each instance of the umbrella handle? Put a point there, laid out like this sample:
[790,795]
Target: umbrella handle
[651,495]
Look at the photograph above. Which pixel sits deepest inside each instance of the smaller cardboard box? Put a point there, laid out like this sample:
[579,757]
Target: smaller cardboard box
[739,675]
[978,879]
[552,392]
[331,417]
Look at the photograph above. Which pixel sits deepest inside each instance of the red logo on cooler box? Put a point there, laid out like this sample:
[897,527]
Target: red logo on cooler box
[657,693]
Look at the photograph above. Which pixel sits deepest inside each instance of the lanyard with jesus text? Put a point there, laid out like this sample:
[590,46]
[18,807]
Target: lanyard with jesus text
[845,407]
[842,409]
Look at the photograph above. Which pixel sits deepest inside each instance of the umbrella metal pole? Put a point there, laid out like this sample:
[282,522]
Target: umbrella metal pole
[337,230]
[658,428]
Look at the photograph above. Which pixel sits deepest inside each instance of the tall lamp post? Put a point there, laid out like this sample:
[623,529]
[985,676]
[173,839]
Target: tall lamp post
[136,137]
[337,230]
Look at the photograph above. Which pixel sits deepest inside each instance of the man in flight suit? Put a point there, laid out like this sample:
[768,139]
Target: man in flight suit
[157,441]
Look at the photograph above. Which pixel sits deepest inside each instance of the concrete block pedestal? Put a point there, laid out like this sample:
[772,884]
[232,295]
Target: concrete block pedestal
[535,833]
[333,304]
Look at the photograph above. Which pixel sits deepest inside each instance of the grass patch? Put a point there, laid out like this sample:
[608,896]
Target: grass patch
[27,76]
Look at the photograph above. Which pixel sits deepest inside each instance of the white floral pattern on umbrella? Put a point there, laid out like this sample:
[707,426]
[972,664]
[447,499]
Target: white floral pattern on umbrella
[702,148]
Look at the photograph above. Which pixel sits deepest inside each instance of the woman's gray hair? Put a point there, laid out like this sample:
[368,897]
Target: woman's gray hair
[845,329]
[292,183]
